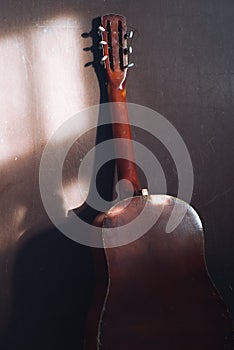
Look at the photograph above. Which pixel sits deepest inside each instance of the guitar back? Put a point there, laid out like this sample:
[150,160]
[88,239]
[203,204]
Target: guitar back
[155,291]
[159,293]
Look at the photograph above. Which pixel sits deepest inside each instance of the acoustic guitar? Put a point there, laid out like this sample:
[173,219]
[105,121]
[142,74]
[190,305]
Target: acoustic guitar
[154,293]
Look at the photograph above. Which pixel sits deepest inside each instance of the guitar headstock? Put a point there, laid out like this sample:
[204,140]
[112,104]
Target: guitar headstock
[114,43]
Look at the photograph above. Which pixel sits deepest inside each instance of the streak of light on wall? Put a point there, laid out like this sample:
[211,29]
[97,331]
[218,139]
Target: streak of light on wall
[58,71]
[42,85]
[15,138]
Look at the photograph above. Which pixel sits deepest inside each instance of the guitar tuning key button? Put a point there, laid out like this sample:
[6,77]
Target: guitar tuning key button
[130,65]
[101,29]
[104,58]
[103,42]
[129,35]
[128,50]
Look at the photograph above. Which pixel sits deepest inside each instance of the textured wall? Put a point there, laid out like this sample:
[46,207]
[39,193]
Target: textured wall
[184,69]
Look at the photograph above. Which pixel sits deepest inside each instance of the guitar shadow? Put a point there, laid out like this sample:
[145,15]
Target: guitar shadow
[53,276]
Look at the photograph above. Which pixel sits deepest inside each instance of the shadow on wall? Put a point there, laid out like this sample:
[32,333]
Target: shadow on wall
[50,277]
[52,286]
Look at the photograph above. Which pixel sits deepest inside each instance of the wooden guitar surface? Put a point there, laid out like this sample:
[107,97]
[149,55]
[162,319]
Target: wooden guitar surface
[153,293]
[158,293]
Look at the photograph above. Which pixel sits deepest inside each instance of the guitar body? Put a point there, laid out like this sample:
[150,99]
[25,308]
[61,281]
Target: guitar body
[153,290]
[158,294]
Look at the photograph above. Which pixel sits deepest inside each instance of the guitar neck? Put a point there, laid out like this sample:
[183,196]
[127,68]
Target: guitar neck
[121,130]
[115,49]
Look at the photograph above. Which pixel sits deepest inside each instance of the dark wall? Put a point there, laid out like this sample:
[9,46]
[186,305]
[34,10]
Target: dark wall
[184,69]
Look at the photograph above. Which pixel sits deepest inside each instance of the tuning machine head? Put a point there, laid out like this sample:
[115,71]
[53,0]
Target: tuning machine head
[101,30]
[115,45]
[128,50]
[104,58]
[129,34]
[101,44]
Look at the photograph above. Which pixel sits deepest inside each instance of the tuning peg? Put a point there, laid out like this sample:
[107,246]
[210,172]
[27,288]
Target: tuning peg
[129,35]
[130,65]
[103,42]
[101,29]
[103,59]
[128,50]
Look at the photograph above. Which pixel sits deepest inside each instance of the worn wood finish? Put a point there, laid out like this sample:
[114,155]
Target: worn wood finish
[159,293]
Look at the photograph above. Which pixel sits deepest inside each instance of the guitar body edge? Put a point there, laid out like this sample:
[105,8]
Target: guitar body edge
[157,293]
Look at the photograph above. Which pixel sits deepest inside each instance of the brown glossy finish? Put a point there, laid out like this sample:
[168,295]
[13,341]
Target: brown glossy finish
[116,68]
[126,167]
[159,293]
